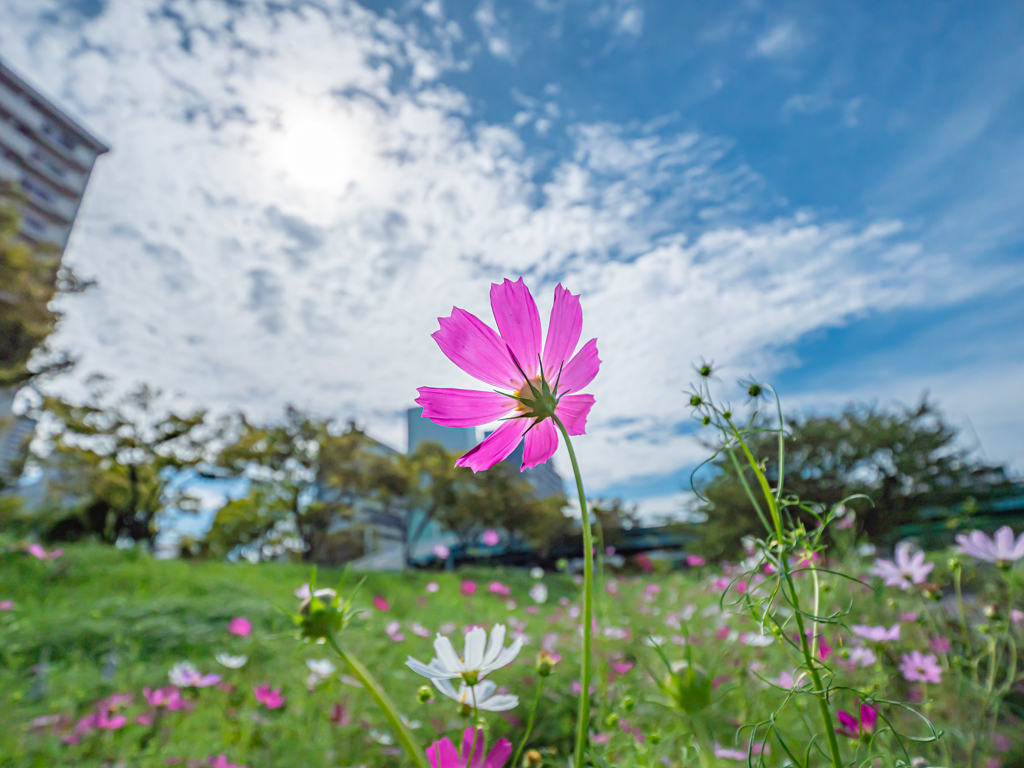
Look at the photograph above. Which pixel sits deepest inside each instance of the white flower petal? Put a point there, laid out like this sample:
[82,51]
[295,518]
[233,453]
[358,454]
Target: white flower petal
[495,645]
[476,641]
[446,655]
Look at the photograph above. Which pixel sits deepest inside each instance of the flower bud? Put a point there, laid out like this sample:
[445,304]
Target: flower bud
[688,686]
[611,720]
[628,704]
[706,420]
[545,663]
[726,415]
[696,401]
[532,759]
[826,587]
[654,737]
[755,390]
[990,611]
[424,695]
[953,563]
[704,370]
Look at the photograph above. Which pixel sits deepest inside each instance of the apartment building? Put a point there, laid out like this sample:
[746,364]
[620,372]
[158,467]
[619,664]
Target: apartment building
[46,156]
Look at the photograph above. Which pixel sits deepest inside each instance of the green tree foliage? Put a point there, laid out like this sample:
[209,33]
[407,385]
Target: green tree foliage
[904,460]
[113,461]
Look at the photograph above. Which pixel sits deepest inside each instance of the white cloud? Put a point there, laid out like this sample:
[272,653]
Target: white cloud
[278,223]
[781,40]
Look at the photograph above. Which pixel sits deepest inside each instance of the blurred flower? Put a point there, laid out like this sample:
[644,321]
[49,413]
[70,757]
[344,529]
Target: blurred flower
[231,662]
[539,592]
[905,570]
[320,667]
[418,629]
[1001,549]
[303,592]
[940,644]
[271,699]
[393,630]
[645,563]
[37,551]
[169,697]
[441,551]
[908,616]
[380,603]
[6,605]
[536,572]
[854,729]
[609,551]
[739,754]
[497,588]
[221,761]
[184,675]
[479,658]
[546,661]
[339,715]
[577,688]
[696,561]
[612,586]
[877,634]
[862,657]
[490,538]
[467,588]
[1016,616]
[442,754]
[514,360]
[482,695]
[920,668]
[846,520]
[240,626]
[433,586]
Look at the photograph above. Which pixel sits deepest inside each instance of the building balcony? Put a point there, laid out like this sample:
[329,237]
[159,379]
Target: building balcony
[53,169]
[47,131]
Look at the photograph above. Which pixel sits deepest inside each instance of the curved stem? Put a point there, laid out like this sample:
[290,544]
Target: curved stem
[529,724]
[583,714]
[384,702]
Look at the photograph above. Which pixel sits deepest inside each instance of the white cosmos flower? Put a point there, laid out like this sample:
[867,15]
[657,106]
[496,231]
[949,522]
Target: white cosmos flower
[320,667]
[479,658]
[481,695]
[231,662]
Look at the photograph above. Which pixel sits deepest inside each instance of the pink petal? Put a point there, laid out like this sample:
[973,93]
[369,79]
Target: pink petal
[499,754]
[496,447]
[573,411]
[474,346]
[868,717]
[442,754]
[477,749]
[463,407]
[581,370]
[518,321]
[564,330]
[541,443]
[848,721]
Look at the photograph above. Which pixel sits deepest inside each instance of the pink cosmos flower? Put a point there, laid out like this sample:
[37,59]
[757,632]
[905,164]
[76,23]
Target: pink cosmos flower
[37,551]
[240,626]
[543,385]
[380,603]
[433,586]
[271,699]
[442,754]
[622,667]
[6,605]
[940,644]
[919,668]
[497,588]
[108,723]
[184,675]
[221,761]
[849,725]
[877,634]
[441,551]
[490,538]
[862,657]
[612,587]
[467,588]
[394,631]
[1001,549]
[739,754]
[696,561]
[905,569]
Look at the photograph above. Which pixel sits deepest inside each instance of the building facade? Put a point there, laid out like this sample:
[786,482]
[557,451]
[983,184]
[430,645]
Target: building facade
[46,157]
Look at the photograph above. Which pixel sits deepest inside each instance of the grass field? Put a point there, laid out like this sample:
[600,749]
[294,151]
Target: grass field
[99,621]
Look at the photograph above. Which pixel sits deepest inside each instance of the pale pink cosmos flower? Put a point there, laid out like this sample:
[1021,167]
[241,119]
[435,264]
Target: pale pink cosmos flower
[877,634]
[433,587]
[920,668]
[497,588]
[490,538]
[862,657]
[6,605]
[696,561]
[240,626]
[271,699]
[184,675]
[740,754]
[37,551]
[1000,549]
[221,761]
[940,644]
[441,551]
[539,592]
[442,754]
[905,569]
[542,385]
[394,631]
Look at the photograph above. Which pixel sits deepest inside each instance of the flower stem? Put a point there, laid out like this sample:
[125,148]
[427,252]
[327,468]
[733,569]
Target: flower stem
[583,715]
[529,724]
[384,702]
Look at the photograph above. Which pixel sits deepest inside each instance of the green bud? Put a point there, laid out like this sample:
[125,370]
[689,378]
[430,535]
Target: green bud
[654,737]
[706,420]
[755,390]
[424,695]
[704,370]
[611,720]
[545,663]
[953,563]
[826,587]
[696,401]
[726,415]
[688,686]
[628,704]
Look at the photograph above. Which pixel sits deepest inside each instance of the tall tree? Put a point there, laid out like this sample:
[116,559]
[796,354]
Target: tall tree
[904,460]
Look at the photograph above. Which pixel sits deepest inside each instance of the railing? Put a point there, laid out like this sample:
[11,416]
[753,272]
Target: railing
[28,151]
[56,137]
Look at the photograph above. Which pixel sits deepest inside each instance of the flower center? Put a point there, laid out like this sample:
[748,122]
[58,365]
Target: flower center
[535,398]
[472,677]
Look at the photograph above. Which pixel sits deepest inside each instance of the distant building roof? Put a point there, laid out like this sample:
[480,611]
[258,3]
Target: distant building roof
[422,430]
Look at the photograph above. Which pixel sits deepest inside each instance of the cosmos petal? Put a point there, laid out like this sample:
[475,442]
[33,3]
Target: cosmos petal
[581,370]
[541,443]
[499,753]
[463,407]
[476,747]
[446,655]
[573,411]
[442,754]
[474,346]
[518,321]
[500,703]
[496,446]
[476,641]
[494,646]
[564,329]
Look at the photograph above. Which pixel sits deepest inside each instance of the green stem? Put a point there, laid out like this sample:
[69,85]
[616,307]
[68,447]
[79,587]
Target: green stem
[529,724]
[583,715]
[384,702]
[963,615]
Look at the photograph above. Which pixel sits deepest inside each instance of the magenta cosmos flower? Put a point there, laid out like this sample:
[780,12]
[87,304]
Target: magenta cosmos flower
[854,729]
[1001,549]
[541,385]
[442,754]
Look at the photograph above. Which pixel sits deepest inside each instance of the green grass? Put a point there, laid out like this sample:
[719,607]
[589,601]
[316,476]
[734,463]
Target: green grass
[103,621]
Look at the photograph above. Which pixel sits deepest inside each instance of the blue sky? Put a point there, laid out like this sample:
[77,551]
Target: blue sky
[828,196]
